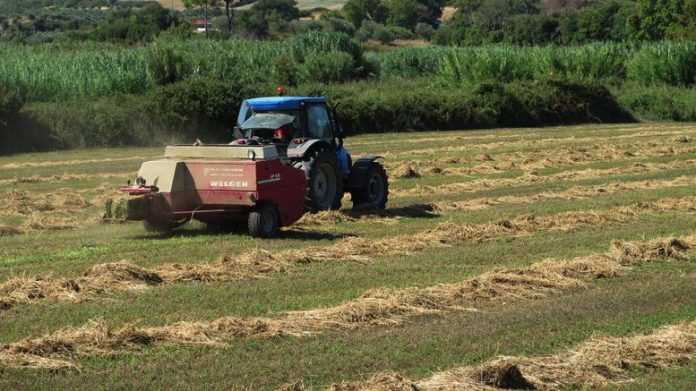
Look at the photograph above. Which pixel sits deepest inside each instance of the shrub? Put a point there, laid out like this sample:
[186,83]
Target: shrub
[659,103]
[416,105]
[373,30]
[329,67]
[424,31]
[666,62]
[202,106]
[167,64]
[115,121]
[10,103]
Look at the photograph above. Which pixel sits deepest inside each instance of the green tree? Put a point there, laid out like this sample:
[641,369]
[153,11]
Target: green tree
[356,11]
[432,12]
[658,18]
[687,20]
[404,13]
[267,16]
[230,5]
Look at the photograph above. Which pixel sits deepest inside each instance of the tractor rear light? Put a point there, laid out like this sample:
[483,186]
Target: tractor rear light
[297,141]
[241,141]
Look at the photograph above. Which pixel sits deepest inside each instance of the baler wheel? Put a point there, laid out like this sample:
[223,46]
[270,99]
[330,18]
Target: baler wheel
[263,221]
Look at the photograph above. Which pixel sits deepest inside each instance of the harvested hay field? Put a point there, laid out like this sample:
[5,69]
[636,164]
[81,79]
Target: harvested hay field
[556,258]
[381,307]
[537,159]
[255,264]
[600,361]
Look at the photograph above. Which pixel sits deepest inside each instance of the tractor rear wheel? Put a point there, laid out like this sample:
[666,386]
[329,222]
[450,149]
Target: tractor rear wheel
[263,221]
[376,190]
[324,182]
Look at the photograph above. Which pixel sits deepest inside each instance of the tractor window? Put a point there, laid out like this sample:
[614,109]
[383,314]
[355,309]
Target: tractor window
[318,123]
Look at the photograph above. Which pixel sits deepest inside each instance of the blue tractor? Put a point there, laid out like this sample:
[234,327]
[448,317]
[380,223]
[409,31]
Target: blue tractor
[308,136]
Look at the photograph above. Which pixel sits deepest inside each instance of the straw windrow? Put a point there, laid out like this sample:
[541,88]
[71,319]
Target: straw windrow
[600,361]
[352,249]
[386,307]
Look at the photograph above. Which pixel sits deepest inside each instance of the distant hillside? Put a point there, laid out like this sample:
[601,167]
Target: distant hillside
[559,5]
[170,4]
[301,4]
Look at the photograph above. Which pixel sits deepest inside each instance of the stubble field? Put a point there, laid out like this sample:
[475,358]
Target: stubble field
[547,258]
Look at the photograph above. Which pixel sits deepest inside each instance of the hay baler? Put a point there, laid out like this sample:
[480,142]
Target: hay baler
[219,185]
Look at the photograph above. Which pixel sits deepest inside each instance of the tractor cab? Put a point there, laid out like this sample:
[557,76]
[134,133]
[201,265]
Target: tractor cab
[276,119]
[307,136]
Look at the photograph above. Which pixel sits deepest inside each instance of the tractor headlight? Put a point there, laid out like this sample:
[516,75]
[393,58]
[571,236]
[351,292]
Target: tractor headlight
[140,181]
[251,155]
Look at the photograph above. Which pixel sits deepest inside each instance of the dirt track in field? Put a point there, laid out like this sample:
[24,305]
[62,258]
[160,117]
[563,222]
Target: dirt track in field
[376,307]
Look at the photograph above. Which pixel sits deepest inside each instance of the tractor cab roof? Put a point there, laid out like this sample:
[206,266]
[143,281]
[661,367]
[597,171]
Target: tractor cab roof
[282,102]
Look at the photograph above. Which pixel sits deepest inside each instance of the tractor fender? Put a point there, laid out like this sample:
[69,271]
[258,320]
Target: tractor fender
[358,173]
[299,151]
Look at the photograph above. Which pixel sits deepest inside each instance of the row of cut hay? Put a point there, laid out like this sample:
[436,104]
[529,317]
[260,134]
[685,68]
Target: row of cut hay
[67,200]
[377,307]
[574,193]
[125,276]
[435,208]
[54,210]
[365,213]
[675,137]
[513,134]
[531,160]
[610,132]
[25,203]
[600,361]
[73,162]
[65,177]
[531,177]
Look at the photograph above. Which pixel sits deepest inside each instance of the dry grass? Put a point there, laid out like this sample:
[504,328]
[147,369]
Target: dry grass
[54,163]
[53,210]
[531,160]
[575,193]
[64,177]
[530,177]
[255,264]
[600,361]
[7,230]
[668,137]
[376,307]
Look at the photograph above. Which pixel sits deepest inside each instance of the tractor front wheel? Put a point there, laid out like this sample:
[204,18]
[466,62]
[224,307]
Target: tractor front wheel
[263,221]
[376,190]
